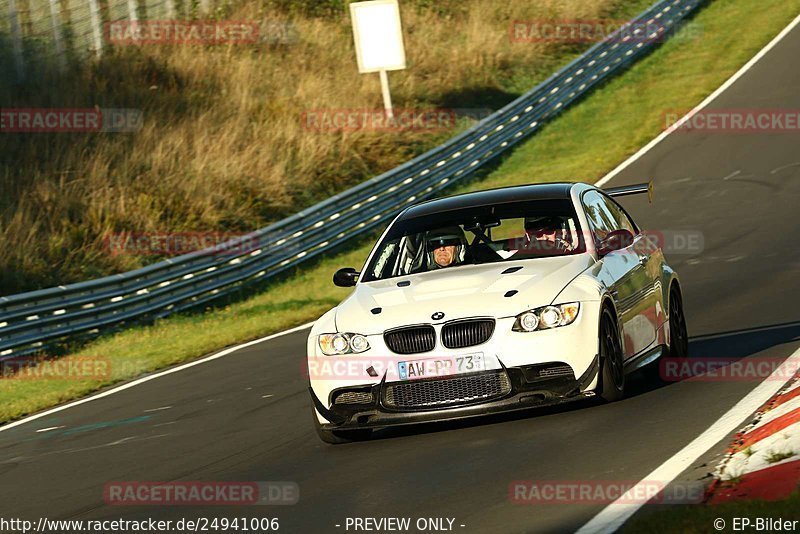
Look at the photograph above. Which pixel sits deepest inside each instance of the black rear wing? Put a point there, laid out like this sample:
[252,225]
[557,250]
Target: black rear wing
[632,190]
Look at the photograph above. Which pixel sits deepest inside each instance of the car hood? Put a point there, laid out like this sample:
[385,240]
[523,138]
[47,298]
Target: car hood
[467,291]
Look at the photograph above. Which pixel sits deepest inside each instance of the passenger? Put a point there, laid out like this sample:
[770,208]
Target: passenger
[545,236]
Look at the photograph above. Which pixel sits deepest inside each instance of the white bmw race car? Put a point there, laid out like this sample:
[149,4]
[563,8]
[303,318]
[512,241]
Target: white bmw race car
[494,301]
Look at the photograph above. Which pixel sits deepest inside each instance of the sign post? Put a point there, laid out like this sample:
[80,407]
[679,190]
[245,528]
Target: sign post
[387,96]
[378,35]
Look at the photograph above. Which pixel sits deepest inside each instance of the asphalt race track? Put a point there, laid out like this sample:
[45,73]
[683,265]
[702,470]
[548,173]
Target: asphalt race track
[246,417]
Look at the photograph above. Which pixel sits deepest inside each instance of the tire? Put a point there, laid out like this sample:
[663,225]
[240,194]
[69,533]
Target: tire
[612,375]
[337,437]
[678,335]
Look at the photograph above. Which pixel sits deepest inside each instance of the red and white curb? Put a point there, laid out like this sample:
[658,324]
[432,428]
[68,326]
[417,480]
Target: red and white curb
[764,460]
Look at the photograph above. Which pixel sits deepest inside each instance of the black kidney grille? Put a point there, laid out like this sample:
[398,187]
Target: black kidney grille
[467,333]
[448,391]
[411,340]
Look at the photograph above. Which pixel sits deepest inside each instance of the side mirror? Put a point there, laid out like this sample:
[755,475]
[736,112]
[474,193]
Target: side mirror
[616,240]
[345,277]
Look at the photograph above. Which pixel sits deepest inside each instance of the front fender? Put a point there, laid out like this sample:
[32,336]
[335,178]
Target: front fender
[325,324]
[584,288]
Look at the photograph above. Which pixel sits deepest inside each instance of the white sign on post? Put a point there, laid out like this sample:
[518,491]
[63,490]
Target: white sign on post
[378,37]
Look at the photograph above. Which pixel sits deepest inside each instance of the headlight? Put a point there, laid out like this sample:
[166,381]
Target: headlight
[529,321]
[359,343]
[551,317]
[546,317]
[342,343]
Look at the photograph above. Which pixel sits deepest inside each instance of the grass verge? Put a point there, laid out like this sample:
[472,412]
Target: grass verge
[696,519]
[574,147]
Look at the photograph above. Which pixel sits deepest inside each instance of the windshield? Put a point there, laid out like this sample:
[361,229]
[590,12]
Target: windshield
[472,236]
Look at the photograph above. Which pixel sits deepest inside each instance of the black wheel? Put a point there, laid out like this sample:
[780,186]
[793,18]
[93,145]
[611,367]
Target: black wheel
[678,336]
[612,375]
[337,437]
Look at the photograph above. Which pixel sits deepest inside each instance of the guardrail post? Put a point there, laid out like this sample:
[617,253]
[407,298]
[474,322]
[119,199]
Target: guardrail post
[133,16]
[97,27]
[58,38]
[16,39]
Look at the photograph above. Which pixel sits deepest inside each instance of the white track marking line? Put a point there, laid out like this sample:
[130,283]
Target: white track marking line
[142,380]
[722,88]
[158,409]
[615,514]
[48,429]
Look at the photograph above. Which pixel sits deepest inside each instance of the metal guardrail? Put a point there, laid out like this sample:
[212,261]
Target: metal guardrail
[31,321]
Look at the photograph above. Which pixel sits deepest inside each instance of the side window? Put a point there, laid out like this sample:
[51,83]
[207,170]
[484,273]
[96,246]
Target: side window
[385,261]
[605,216]
[621,219]
[600,218]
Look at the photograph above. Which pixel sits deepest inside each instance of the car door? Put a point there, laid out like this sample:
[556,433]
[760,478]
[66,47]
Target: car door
[625,273]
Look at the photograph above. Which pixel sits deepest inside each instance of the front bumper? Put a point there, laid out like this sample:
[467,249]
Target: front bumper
[525,392]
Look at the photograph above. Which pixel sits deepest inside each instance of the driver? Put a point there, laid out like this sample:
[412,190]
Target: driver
[446,247]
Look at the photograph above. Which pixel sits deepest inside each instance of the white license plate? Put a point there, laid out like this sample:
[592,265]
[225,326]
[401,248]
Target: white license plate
[466,363]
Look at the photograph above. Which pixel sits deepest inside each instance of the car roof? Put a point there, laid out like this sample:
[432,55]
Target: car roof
[503,195]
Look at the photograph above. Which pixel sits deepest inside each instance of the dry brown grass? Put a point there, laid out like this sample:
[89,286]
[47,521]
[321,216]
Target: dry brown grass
[223,147]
